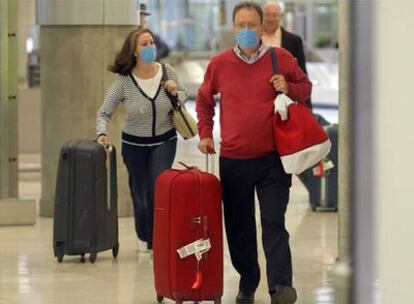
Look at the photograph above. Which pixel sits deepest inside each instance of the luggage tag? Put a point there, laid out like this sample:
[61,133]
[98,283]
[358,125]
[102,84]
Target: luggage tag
[198,279]
[321,168]
[197,248]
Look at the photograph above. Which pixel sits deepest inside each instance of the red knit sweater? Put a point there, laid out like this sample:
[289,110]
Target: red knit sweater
[246,104]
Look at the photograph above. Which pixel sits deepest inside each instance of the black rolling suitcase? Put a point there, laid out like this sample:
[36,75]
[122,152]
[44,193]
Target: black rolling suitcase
[322,180]
[86,211]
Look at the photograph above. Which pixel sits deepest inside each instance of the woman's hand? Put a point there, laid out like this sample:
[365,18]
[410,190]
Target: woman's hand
[103,140]
[171,87]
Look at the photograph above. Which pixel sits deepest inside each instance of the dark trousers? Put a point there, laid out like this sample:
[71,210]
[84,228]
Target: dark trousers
[240,178]
[144,164]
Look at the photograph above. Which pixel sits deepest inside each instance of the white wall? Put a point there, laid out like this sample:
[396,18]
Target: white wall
[394,143]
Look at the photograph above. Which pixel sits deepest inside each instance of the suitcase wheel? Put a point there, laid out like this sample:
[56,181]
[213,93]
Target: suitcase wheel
[115,251]
[160,299]
[217,301]
[82,260]
[60,256]
[92,257]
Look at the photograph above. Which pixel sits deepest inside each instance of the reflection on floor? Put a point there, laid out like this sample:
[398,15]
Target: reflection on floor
[30,274]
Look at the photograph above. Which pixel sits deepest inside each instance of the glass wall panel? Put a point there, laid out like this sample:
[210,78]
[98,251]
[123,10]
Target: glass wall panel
[186,25]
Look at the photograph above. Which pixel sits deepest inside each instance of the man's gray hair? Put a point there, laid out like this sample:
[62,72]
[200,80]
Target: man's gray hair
[279,4]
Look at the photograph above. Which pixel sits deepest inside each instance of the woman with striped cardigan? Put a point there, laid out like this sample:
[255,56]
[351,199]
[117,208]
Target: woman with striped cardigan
[149,139]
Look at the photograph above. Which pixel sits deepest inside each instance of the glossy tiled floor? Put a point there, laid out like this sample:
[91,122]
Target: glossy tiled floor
[30,274]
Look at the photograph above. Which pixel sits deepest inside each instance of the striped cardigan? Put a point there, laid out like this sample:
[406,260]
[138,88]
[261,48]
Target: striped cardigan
[149,119]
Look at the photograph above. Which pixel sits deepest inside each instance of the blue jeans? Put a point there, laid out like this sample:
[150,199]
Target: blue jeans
[144,164]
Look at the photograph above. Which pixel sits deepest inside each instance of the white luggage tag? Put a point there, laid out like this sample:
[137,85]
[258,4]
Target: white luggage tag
[197,248]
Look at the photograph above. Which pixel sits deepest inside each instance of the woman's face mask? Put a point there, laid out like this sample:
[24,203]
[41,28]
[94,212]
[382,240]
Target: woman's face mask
[247,38]
[148,54]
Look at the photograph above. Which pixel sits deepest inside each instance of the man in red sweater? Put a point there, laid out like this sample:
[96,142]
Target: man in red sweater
[244,79]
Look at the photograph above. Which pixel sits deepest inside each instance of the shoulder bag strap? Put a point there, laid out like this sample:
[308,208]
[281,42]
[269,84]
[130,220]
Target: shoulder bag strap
[173,99]
[274,60]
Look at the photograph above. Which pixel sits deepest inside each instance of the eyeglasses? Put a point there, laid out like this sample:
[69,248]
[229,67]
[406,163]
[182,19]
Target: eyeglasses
[250,26]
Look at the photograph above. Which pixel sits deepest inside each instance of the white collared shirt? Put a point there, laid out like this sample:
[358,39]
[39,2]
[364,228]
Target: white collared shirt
[253,58]
[273,40]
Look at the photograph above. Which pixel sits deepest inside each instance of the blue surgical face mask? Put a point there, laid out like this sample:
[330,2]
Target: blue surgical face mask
[148,54]
[247,38]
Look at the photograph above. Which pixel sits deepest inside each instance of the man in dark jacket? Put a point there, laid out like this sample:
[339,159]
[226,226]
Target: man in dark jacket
[275,35]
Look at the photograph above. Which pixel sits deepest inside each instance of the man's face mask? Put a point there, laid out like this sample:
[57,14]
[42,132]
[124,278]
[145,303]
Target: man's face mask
[148,54]
[247,38]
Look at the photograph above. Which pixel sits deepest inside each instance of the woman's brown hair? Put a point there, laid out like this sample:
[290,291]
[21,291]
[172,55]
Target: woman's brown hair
[125,60]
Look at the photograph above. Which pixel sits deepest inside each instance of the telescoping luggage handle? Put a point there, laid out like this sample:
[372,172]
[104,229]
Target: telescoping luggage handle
[210,164]
[108,151]
[212,168]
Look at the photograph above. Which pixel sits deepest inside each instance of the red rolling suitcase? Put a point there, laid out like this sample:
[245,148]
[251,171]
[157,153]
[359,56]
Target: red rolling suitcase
[188,237]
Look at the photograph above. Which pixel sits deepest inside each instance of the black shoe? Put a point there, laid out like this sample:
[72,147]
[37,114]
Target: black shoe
[284,295]
[245,298]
